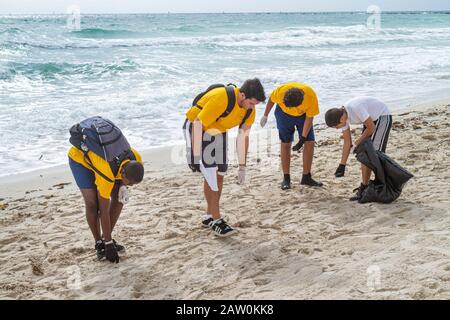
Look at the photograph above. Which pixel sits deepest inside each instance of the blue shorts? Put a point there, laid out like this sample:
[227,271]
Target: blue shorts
[84,177]
[286,125]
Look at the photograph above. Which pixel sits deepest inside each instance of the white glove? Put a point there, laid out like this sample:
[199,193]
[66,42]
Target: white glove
[263,121]
[241,175]
[123,196]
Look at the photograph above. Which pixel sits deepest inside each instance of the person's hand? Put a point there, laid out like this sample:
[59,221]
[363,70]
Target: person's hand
[111,252]
[194,167]
[340,171]
[123,196]
[241,175]
[263,121]
[299,145]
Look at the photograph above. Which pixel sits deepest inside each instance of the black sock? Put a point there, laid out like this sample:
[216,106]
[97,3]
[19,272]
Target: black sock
[287,177]
[308,175]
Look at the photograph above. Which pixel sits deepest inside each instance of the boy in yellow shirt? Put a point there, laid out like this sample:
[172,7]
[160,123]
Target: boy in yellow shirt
[297,105]
[103,196]
[207,122]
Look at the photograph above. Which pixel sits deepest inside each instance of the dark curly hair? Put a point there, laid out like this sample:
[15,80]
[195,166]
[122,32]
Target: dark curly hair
[134,171]
[293,98]
[253,88]
[333,116]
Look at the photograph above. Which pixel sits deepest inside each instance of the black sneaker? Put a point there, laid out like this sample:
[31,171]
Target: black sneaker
[286,184]
[119,247]
[207,223]
[222,229]
[359,191]
[307,180]
[100,250]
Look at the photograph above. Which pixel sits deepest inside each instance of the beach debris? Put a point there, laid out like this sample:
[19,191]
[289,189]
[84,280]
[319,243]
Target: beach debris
[61,185]
[397,125]
[243,224]
[79,250]
[36,266]
[416,127]
[170,235]
[431,137]
[328,142]
[3,206]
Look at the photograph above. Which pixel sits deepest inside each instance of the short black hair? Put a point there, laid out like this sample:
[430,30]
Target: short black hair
[333,116]
[293,97]
[253,88]
[134,171]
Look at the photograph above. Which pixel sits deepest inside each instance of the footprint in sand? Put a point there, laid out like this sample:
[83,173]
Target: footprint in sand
[261,282]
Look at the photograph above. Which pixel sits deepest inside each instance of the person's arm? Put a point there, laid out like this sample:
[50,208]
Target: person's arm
[105,221]
[269,107]
[370,129]
[347,146]
[197,132]
[117,202]
[105,217]
[307,126]
[242,146]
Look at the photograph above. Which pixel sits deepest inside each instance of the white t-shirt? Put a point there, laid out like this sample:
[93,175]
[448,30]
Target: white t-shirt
[361,108]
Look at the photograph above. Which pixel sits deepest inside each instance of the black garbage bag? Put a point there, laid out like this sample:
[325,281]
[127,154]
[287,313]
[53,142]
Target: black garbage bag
[390,177]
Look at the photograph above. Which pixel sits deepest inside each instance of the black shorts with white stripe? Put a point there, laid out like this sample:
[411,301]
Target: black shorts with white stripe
[214,148]
[380,137]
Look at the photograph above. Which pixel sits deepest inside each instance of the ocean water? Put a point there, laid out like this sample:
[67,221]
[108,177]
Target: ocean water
[142,71]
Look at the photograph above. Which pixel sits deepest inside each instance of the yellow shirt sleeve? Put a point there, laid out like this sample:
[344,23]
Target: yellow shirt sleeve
[212,110]
[276,96]
[313,106]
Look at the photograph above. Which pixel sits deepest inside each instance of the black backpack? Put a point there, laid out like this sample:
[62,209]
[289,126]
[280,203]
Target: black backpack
[105,139]
[231,100]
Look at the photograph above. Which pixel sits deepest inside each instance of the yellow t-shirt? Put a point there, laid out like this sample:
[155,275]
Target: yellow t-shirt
[310,104]
[104,187]
[214,104]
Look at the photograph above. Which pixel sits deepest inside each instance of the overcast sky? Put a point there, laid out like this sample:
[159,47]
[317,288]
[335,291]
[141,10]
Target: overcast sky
[162,6]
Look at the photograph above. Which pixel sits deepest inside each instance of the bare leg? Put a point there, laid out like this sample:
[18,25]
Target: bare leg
[286,157]
[220,185]
[308,154]
[116,207]
[213,197]
[366,173]
[92,214]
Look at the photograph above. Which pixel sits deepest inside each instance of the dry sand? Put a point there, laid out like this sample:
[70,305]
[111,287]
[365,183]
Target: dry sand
[301,244]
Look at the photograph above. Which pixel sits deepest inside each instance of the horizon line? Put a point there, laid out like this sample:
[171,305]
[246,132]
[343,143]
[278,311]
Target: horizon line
[231,12]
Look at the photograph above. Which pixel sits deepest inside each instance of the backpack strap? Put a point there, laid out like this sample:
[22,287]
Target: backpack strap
[89,162]
[117,161]
[247,115]
[114,165]
[231,101]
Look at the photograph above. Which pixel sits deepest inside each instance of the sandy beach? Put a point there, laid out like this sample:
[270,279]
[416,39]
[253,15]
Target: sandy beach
[305,243]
